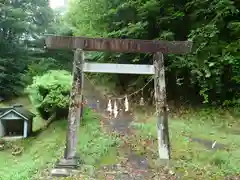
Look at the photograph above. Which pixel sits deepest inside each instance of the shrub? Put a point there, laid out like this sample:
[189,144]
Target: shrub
[49,93]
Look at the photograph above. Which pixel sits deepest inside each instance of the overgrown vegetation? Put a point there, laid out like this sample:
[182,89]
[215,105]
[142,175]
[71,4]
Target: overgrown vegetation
[210,73]
[23,25]
[43,150]
[50,92]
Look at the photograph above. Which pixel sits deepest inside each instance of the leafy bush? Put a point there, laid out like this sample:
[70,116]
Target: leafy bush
[49,93]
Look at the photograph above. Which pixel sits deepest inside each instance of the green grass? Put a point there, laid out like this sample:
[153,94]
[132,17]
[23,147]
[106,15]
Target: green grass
[93,142]
[194,160]
[42,151]
[38,153]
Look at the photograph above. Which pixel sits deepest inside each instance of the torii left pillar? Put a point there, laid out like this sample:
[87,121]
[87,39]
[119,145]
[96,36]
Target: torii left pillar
[70,159]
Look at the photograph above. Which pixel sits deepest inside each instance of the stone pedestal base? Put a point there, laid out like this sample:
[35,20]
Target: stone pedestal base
[67,163]
[64,167]
[60,172]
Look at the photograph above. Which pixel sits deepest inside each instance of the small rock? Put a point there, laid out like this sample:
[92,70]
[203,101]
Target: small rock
[111,172]
[60,173]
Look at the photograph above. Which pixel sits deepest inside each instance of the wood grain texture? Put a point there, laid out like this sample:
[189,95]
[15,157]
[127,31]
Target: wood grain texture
[161,107]
[118,45]
[75,105]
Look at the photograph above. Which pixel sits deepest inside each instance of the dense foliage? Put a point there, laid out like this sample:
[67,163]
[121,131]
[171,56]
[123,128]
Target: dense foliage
[210,73]
[22,23]
[50,92]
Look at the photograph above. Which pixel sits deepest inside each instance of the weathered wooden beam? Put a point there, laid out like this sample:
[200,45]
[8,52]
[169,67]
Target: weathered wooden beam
[118,45]
[118,68]
[161,108]
[75,105]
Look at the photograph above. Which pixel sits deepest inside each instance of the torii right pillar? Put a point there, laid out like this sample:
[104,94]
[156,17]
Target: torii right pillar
[161,109]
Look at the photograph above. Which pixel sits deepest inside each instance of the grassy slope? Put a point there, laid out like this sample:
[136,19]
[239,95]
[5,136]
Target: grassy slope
[43,150]
[39,151]
[191,159]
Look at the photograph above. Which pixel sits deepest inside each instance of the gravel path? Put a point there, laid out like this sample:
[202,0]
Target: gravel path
[132,166]
[135,167]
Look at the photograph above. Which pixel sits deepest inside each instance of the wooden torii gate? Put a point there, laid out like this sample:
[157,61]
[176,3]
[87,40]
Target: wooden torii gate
[81,44]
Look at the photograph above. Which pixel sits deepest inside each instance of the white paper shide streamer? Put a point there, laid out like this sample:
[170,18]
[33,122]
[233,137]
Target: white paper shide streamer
[126,104]
[109,107]
[141,103]
[115,109]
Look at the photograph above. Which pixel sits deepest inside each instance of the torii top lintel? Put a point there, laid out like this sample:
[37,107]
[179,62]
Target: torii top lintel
[118,45]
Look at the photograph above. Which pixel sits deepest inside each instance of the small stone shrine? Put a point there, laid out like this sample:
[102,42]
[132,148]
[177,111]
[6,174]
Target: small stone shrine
[15,121]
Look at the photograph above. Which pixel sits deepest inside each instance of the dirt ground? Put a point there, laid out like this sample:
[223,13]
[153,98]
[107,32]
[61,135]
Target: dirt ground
[132,166]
